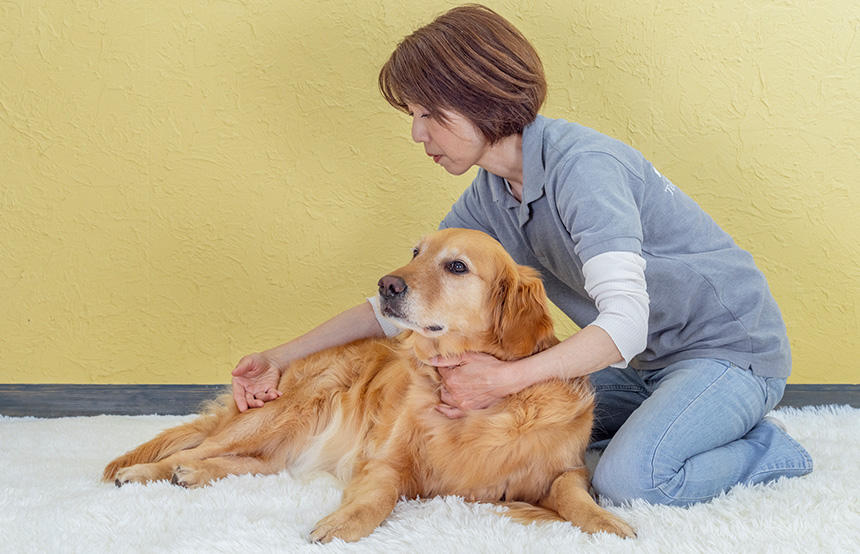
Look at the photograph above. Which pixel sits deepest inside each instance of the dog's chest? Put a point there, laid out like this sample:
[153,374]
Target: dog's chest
[512,451]
[478,459]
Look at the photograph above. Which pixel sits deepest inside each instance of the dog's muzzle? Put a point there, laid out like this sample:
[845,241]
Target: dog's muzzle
[392,292]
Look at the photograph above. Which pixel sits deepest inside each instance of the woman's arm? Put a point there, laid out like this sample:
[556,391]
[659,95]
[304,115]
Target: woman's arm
[256,377]
[475,381]
[358,322]
[616,283]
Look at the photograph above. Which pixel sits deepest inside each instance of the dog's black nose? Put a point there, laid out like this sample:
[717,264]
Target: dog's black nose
[391,285]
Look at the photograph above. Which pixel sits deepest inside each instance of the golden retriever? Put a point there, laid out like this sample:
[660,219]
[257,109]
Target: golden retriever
[366,412]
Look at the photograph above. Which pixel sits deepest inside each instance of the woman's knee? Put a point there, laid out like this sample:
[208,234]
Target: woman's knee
[624,479]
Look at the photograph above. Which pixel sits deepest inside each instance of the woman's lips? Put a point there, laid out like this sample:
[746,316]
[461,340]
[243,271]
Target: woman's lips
[437,157]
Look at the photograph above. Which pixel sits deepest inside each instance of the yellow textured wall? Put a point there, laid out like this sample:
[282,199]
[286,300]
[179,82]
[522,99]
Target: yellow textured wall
[183,182]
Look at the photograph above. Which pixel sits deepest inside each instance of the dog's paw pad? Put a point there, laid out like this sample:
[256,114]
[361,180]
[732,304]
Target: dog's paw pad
[611,523]
[128,475]
[341,526]
[179,477]
[189,477]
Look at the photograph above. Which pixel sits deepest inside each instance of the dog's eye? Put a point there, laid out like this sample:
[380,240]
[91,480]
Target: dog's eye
[456,267]
[414,251]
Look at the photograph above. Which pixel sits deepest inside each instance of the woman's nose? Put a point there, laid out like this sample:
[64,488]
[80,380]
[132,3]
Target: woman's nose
[419,130]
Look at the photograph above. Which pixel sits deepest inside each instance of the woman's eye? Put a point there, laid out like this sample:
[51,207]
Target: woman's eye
[457,267]
[414,252]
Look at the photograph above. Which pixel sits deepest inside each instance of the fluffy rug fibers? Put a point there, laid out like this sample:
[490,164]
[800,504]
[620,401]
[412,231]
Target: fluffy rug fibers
[51,500]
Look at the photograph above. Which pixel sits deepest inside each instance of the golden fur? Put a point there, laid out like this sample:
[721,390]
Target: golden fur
[366,412]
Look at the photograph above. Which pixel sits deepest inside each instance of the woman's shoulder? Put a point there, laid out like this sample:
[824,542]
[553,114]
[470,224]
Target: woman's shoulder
[564,143]
[570,137]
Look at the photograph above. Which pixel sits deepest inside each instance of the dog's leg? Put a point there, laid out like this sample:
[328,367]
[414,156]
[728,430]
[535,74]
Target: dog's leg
[275,428]
[569,497]
[142,473]
[173,440]
[367,500]
[202,472]
[161,470]
[165,444]
[164,468]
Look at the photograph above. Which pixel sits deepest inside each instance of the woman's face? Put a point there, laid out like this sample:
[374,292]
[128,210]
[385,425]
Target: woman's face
[456,146]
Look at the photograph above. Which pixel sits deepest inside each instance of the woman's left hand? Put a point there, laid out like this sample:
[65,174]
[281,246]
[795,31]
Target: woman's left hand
[473,381]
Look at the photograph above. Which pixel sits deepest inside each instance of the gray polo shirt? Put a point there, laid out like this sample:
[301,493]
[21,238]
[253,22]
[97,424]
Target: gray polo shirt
[585,194]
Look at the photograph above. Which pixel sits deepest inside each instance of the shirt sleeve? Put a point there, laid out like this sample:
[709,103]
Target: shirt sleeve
[596,202]
[616,283]
[466,213]
[390,329]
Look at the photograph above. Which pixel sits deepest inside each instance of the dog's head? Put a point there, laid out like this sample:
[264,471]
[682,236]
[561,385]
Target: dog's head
[462,291]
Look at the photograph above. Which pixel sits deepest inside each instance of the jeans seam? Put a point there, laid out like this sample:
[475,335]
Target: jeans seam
[783,467]
[669,428]
[800,450]
[631,388]
[802,470]
[772,402]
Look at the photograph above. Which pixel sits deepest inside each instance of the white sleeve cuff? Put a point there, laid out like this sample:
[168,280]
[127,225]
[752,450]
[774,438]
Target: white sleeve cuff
[388,328]
[616,283]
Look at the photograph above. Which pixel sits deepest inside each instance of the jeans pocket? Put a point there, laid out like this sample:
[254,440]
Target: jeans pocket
[760,382]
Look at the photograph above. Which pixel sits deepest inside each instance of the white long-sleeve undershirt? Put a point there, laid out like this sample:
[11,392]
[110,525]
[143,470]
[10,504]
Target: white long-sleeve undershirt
[616,283]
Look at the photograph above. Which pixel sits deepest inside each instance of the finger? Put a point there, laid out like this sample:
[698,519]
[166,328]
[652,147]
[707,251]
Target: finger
[239,396]
[441,361]
[270,394]
[252,400]
[446,372]
[449,411]
[241,369]
[446,397]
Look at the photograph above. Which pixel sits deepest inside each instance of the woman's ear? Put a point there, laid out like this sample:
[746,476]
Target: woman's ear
[522,325]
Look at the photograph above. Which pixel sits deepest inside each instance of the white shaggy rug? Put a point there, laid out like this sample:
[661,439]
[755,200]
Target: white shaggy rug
[51,500]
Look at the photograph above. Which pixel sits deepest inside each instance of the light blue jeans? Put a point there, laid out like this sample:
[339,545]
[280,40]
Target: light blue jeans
[685,433]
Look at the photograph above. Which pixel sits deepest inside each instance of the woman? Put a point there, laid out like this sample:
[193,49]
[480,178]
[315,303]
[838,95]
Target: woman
[684,343]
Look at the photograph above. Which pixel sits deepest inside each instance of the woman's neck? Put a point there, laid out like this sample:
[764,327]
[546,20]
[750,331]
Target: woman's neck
[505,159]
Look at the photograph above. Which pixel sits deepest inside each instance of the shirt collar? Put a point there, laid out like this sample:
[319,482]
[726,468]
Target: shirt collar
[501,191]
[533,168]
[533,173]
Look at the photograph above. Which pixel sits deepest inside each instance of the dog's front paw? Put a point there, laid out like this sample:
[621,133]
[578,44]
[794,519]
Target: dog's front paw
[609,523]
[126,460]
[189,477]
[341,525]
[138,473]
[111,470]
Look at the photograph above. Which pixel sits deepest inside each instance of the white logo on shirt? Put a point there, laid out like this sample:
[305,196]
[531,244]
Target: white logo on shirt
[670,187]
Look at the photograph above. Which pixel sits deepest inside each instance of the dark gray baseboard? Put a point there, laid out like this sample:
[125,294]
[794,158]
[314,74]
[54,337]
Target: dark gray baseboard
[798,396]
[87,400]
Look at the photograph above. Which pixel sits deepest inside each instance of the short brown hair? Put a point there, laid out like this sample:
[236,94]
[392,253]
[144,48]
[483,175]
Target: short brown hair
[472,61]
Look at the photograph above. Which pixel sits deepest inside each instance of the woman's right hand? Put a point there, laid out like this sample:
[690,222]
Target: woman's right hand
[255,381]
[256,377]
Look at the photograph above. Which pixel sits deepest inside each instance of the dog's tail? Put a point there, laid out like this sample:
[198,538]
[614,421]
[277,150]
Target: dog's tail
[178,438]
[526,513]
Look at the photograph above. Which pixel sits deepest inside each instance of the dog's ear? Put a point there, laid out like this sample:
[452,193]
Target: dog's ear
[522,324]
